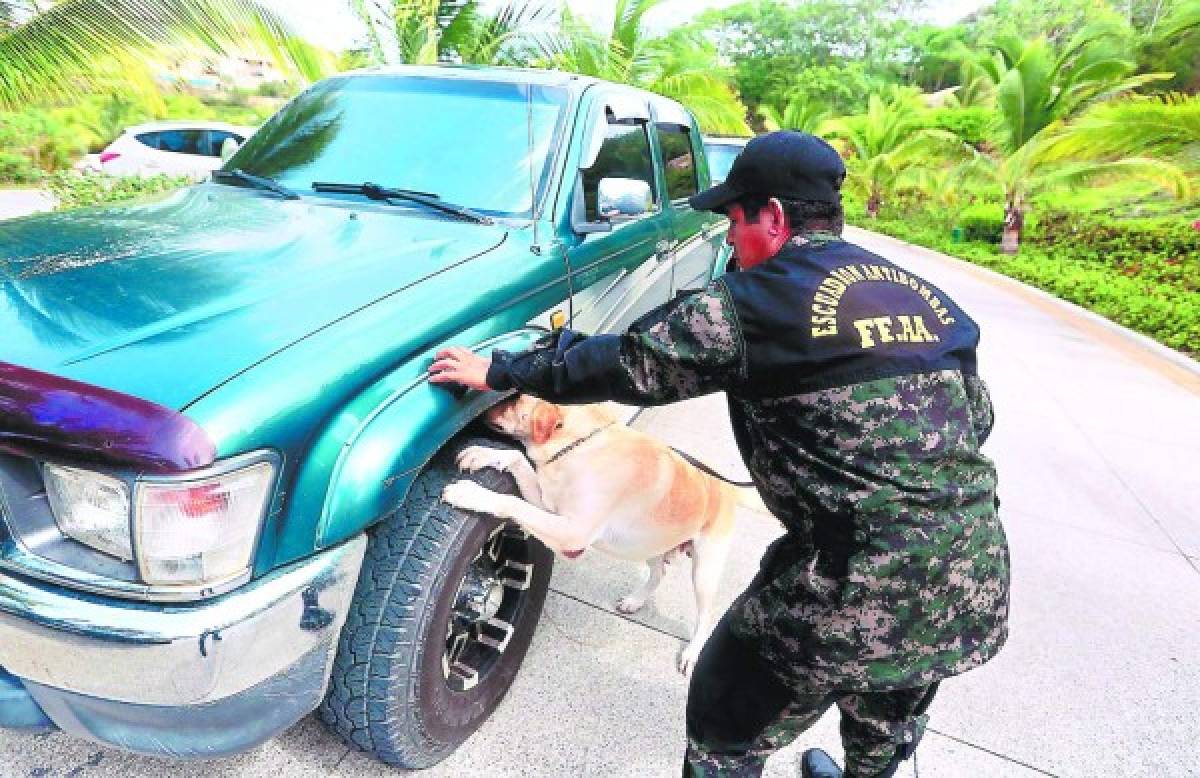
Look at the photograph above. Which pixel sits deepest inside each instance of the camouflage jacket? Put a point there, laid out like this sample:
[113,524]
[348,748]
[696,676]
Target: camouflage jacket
[855,404]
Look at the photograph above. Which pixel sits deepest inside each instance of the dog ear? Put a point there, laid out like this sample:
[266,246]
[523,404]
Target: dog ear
[546,418]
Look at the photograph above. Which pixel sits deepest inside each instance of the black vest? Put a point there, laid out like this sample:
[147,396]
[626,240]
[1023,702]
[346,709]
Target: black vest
[828,314]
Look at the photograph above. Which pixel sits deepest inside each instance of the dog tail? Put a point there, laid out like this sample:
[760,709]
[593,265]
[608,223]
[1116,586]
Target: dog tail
[748,497]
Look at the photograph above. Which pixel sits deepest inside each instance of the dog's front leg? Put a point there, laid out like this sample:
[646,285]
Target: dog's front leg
[556,531]
[474,458]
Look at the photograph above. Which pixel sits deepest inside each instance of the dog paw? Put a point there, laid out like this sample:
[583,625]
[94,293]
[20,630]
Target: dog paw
[687,659]
[630,605]
[470,496]
[473,458]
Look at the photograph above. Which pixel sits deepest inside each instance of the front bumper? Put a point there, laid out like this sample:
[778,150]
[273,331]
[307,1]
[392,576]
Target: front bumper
[195,681]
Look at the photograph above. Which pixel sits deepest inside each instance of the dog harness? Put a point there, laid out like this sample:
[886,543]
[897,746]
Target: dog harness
[567,449]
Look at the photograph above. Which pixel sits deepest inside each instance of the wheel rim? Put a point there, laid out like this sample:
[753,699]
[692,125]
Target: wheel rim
[487,606]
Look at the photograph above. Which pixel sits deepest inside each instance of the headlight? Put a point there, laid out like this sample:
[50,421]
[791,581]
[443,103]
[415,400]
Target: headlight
[201,531]
[91,508]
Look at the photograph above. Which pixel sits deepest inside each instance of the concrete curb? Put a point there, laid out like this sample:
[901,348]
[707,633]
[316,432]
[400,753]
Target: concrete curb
[1136,340]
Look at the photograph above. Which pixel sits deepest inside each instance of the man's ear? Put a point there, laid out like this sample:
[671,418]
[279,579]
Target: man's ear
[776,218]
[545,419]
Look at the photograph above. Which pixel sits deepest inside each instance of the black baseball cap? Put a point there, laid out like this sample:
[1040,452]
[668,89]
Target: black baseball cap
[785,164]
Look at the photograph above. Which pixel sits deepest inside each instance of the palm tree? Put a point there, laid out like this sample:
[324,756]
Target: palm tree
[1037,93]
[1166,39]
[937,185]
[1162,125]
[801,113]
[682,65]
[974,89]
[937,54]
[424,32]
[1036,168]
[890,139]
[510,37]
[59,52]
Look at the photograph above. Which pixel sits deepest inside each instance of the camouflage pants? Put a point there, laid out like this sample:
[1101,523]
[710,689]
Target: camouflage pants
[740,712]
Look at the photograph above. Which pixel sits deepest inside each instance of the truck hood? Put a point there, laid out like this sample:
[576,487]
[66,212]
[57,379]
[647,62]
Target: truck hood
[165,300]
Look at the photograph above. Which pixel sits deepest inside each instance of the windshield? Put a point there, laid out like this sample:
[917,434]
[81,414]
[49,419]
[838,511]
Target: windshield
[468,142]
[720,160]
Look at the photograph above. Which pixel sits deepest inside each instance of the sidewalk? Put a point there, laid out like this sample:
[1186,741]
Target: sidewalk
[1097,442]
[21,202]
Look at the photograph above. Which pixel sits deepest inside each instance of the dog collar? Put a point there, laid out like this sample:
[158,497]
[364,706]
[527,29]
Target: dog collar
[571,446]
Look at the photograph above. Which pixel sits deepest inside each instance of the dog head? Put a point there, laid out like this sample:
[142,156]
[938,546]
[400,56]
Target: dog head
[526,418]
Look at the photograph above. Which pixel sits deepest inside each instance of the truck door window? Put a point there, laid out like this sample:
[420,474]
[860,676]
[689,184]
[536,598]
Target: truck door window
[678,161]
[624,154]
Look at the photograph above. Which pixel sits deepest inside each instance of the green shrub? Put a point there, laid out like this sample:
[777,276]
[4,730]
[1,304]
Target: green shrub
[17,169]
[182,105]
[972,124]
[1166,250]
[1142,274]
[238,97]
[983,222]
[78,190]
[105,116]
[1166,312]
[275,89]
[41,137]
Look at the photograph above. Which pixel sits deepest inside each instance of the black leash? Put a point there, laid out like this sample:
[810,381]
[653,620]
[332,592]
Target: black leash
[701,466]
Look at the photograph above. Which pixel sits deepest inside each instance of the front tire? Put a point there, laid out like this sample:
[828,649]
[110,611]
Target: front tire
[446,606]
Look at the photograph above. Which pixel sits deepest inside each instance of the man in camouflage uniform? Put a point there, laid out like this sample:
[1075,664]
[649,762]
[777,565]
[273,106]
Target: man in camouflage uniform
[855,403]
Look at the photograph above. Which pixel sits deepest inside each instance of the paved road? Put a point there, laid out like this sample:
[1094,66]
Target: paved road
[20,202]
[1097,442]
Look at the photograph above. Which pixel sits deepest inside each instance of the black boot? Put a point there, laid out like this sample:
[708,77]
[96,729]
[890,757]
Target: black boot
[817,764]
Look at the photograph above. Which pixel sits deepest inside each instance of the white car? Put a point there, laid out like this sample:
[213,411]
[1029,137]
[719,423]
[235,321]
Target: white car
[176,148]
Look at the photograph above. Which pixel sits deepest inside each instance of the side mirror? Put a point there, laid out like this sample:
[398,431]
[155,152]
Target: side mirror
[623,198]
[229,147]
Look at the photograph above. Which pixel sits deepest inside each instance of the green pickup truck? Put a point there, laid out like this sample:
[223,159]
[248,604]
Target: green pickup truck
[220,460]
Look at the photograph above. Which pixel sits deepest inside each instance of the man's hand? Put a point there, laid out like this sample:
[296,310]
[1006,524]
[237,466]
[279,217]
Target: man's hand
[457,365]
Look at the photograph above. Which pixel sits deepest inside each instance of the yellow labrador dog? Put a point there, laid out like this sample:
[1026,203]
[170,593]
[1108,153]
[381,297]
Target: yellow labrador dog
[596,483]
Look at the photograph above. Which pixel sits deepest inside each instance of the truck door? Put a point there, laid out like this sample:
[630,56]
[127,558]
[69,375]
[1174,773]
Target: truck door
[620,267]
[696,236]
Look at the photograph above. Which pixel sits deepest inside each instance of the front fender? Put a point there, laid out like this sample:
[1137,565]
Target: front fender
[384,438]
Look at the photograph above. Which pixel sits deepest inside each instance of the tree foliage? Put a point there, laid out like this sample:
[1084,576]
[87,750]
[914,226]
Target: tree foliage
[72,47]
[778,47]
[425,32]
[889,140]
[1037,86]
[1164,125]
[801,113]
[1038,91]
[682,65]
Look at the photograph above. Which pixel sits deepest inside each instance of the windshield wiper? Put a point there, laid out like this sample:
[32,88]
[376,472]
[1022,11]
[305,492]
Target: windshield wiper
[270,184]
[377,192]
